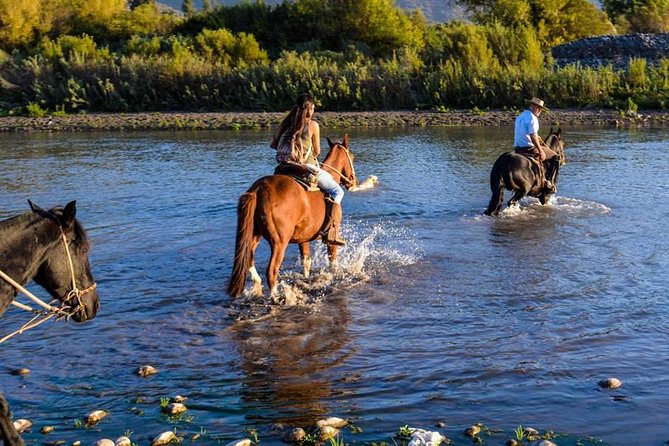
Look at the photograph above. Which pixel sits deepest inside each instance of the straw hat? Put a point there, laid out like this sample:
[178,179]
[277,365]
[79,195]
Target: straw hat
[538,102]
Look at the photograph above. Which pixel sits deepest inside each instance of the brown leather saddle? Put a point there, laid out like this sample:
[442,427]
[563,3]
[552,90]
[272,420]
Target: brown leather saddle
[299,173]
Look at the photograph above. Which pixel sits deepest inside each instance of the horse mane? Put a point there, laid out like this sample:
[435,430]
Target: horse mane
[80,235]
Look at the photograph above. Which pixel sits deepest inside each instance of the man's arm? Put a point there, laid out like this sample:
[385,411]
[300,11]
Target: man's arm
[537,145]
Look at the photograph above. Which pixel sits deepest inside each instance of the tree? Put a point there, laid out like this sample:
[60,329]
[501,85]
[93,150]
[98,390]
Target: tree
[188,8]
[555,21]
[641,16]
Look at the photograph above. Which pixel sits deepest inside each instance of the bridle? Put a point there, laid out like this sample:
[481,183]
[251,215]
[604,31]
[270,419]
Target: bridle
[345,179]
[66,311]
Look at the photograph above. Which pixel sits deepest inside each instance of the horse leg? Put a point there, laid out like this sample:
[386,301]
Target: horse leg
[497,189]
[518,194]
[306,259]
[256,290]
[332,255]
[275,261]
[8,433]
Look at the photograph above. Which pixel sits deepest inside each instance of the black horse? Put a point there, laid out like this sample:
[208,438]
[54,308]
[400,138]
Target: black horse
[51,248]
[520,174]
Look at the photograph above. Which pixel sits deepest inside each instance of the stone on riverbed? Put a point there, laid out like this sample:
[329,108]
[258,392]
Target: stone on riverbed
[473,431]
[19,372]
[46,429]
[164,438]
[94,417]
[175,408]
[243,442]
[610,383]
[104,442]
[21,425]
[146,370]
[422,437]
[335,422]
[123,441]
[295,435]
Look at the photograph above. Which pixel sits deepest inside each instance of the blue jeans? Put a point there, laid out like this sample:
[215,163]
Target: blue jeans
[329,185]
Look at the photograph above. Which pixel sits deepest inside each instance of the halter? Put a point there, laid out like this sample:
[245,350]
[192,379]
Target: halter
[346,179]
[51,311]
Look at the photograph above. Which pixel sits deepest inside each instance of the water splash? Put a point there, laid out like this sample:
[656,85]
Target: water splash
[372,250]
[530,207]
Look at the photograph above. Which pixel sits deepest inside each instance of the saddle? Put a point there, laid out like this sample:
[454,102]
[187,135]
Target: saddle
[299,173]
[541,168]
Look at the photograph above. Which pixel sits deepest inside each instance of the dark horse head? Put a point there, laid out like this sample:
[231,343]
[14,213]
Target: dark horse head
[51,248]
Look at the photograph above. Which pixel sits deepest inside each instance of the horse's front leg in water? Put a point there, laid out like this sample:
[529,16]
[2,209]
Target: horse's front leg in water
[332,255]
[306,259]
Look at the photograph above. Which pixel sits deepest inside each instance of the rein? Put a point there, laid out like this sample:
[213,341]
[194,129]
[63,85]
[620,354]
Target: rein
[50,311]
[347,180]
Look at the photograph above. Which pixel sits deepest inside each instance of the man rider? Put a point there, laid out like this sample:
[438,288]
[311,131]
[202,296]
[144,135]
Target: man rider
[528,142]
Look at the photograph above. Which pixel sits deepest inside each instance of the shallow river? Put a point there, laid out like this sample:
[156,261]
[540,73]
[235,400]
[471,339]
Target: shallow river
[437,314]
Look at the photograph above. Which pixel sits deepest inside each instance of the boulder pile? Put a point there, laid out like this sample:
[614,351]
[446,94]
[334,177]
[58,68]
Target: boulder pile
[613,50]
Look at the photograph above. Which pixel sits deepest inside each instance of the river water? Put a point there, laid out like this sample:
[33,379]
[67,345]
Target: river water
[437,314]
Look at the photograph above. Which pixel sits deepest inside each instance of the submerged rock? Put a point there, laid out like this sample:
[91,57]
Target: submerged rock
[46,429]
[243,442]
[104,442]
[22,371]
[295,435]
[21,425]
[473,431]
[94,417]
[123,441]
[146,370]
[327,432]
[164,438]
[175,408]
[610,383]
[335,422]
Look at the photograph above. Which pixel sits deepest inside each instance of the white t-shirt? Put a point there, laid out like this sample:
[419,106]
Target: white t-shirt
[526,124]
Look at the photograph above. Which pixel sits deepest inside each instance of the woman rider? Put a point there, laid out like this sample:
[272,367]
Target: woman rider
[297,141]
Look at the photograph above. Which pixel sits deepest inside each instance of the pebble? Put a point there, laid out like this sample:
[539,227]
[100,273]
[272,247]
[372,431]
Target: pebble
[295,435]
[146,370]
[512,442]
[610,383]
[473,431]
[175,408]
[76,443]
[46,429]
[335,422]
[422,437]
[546,443]
[23,371]
[94,417]
[123,441]
[179,399]
[22,425]
[164,438]
[531,432]
[104,442]
[327,432]
[243,442]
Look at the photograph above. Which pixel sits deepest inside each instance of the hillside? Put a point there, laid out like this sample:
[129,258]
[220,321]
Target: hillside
[434,10]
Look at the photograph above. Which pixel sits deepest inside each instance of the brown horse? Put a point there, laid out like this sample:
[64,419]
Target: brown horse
[521,175]
[281,211]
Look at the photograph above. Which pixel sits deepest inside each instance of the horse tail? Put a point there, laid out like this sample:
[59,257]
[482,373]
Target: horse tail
[497,189]
[243,245]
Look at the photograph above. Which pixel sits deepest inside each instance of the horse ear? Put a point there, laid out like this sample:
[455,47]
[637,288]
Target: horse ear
[558,132]
[346,140]
[36,209]
[330,143]
[68,214]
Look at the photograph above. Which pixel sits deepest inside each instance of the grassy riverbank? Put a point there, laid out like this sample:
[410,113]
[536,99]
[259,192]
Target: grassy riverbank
[258,120]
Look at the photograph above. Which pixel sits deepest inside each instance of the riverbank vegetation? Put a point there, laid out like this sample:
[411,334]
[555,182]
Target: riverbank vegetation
[68,56]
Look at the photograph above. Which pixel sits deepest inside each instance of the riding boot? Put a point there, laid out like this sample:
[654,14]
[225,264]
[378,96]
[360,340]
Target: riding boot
[330,231]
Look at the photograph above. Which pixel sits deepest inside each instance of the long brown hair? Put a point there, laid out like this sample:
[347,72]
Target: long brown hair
[296,120]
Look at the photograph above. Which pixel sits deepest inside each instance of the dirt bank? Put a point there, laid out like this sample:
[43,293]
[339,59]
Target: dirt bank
[216,121]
